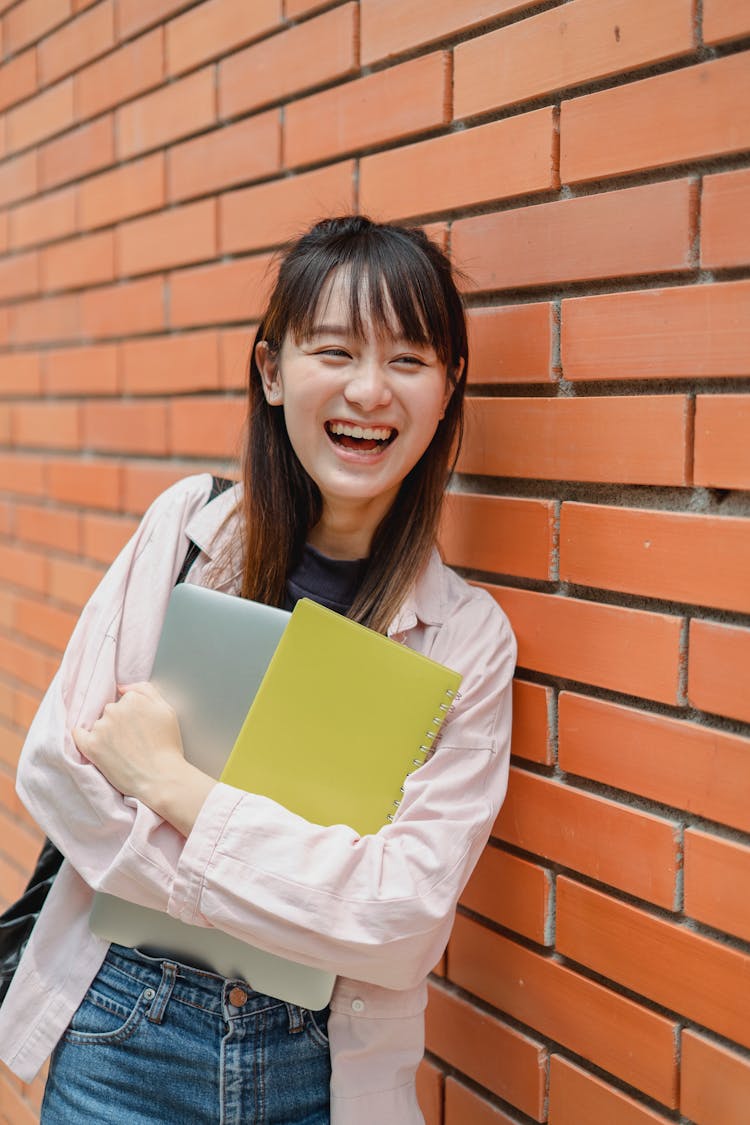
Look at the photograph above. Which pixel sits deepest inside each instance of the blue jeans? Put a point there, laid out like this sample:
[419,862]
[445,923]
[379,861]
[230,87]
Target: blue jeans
[156,1041]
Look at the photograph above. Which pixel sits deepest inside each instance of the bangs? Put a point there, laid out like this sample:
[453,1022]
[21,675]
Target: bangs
[389,282]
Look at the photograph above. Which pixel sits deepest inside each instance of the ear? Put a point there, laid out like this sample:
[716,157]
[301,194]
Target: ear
[268,366]
[451,386]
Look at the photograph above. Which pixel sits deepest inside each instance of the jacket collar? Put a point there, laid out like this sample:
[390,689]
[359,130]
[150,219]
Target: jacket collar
[424,602]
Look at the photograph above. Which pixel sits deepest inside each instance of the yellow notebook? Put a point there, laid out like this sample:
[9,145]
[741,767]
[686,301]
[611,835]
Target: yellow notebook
[342,715]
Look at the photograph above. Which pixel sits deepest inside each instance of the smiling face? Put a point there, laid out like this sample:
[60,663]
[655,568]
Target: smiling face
[360,410]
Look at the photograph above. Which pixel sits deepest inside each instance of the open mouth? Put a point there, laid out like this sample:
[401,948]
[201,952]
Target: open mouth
[361,438]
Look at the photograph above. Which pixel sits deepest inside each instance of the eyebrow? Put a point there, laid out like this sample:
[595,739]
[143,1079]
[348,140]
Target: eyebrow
[330,330]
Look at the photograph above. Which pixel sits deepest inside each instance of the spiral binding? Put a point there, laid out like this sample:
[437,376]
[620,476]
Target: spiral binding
[430,736]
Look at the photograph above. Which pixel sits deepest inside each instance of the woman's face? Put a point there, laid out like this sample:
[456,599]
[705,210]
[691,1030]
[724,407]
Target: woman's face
[359,412]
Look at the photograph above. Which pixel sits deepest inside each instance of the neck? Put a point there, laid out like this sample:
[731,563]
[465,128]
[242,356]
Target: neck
[346,532]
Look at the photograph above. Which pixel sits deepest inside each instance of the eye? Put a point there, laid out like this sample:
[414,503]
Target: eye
[410,361]
[334,353]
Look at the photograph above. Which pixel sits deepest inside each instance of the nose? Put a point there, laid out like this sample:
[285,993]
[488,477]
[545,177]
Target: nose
[368,386]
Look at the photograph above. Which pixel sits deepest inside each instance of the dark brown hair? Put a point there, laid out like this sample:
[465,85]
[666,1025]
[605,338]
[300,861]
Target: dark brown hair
[406,285]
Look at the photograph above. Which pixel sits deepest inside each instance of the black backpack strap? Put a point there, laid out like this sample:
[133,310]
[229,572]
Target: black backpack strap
[218,485]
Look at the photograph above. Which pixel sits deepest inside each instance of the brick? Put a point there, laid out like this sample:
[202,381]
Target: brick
[125,427]
[271,213]
[77,43]
[23,475]
[706,772]
[389,27]
[724,19]
[48,425]
[206,427]
[20,374]
[18,178]
[719,669]
[19,276]
[578,1098]
[138,186]
[222,293]
[73,583]
[725,232]
[27,664]
[24,567]
[248,150]
[143,481]
[173,112]
[216,28]
[532,709]
[684,971]
[512,892]
[680,557]
[48,320]
[511,344]
[48,527]
[474,1042]
[18,78]
[320,50]
[498,534]
[631,440]
[234,356]
[171,364]
[690,331]
[31,20]
[41,116]
[463,1105]
[645,229]
[88,260]
[429,1084]
[123,74]
[43,220]
[715,870]
[722,452]
[135,15]
[380,107]
[127,309]
[47,625]
[715,1082]
[91,370]
[175,237]
[87,149]
[613,1032]
[90,484]
[469,167]
[4,228]
[557,49]
[104,536]
[632,651]
[585,832]
[693,113]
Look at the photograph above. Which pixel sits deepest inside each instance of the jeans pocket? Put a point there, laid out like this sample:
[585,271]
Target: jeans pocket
[108,1013]
[317,1023]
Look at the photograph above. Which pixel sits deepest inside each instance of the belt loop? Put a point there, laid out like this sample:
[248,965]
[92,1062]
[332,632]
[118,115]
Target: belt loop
[296,1018]
[155,1013]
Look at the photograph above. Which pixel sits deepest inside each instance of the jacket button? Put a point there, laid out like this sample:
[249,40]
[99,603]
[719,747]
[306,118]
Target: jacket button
[237,997]
[358,1005]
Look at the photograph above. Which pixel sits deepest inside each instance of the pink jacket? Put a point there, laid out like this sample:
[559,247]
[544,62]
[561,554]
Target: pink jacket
[377,910]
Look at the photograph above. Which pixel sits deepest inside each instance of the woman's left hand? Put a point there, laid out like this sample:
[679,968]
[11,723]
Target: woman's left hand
[136,744]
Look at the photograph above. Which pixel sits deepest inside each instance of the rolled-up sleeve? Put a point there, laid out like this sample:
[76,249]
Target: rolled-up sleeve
[375,908]
[114,842]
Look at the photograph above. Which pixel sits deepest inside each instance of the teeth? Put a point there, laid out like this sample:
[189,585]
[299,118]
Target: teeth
[370,433]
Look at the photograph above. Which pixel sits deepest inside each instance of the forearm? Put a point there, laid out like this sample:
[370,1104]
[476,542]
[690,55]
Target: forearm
[179,799]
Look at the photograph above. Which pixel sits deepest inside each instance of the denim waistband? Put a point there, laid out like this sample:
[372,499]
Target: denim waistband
[171,980]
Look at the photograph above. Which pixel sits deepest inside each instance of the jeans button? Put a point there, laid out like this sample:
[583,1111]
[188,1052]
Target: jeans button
[149,994]
[237,997]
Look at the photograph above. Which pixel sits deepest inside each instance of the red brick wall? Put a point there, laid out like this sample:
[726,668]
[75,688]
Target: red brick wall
[587,163]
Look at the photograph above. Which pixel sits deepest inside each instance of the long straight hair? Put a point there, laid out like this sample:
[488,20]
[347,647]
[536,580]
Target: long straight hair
[400,281]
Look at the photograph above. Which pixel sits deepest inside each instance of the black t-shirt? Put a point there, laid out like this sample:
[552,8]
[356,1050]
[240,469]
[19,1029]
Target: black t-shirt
[330,582]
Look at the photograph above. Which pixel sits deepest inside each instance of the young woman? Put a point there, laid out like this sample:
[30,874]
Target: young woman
[356,385]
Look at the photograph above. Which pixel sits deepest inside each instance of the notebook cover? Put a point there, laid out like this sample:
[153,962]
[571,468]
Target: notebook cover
[342,715]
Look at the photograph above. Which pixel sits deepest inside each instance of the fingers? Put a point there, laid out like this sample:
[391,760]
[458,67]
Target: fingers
[143,687]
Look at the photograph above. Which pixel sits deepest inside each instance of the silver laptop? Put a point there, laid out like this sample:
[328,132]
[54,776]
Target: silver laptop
[212,655]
